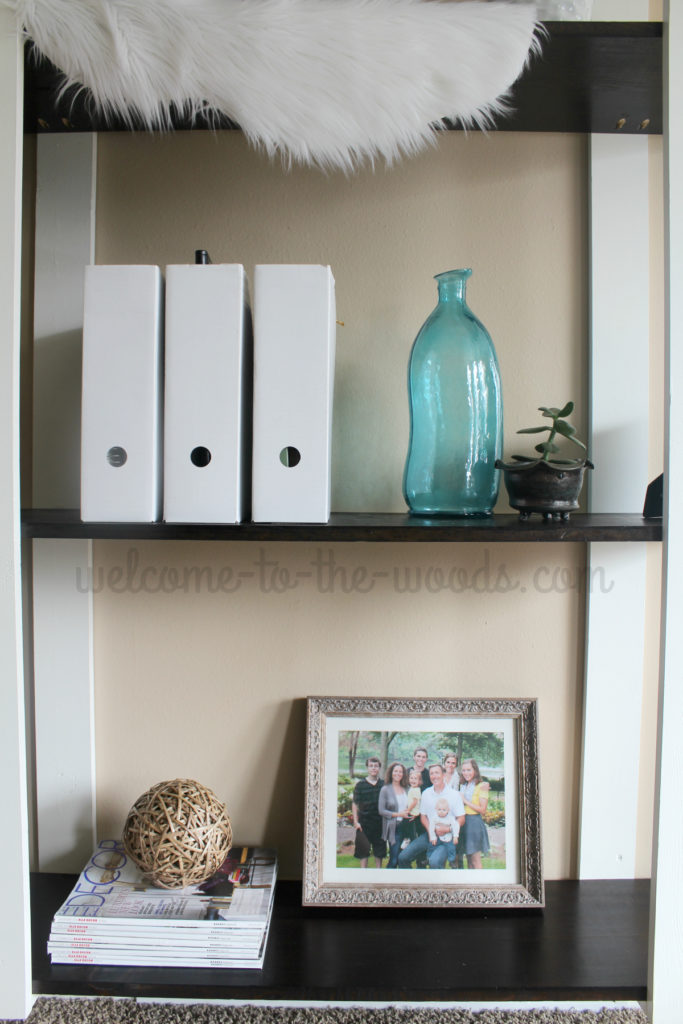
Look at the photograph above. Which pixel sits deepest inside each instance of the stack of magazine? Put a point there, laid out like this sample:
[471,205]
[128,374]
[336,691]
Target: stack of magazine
[114,916]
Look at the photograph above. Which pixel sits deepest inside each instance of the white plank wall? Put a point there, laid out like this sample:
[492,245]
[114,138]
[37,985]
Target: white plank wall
[62,613]
[65,242]
[666,932]
[619,368]
[15,951]
[619,228]
[64,712]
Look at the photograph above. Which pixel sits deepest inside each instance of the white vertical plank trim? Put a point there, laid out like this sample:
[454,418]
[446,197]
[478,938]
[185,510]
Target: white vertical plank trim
[619,417]
[666,931]
[62,615]
[620,324]
[64,713]
[65,243]
[15,949]
[615,614]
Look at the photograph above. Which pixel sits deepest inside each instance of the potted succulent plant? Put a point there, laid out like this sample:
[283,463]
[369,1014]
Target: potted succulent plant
[547,484]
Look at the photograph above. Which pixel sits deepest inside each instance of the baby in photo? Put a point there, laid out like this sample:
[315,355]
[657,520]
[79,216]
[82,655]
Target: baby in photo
[444,816]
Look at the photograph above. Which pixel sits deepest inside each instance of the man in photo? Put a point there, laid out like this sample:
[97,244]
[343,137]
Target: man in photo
[366,817]
[420,756]
[422,846]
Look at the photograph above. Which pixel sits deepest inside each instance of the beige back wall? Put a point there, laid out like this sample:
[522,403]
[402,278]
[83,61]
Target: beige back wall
[512,207]
[212,684]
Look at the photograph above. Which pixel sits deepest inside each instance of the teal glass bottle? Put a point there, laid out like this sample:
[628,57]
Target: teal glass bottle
[456,410]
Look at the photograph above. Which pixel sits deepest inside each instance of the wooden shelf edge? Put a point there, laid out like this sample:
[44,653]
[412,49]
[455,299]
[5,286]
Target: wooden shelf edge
[591,77]
[356,527]
[590,943]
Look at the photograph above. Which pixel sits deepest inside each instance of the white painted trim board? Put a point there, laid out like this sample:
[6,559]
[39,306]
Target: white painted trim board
[62,615]
[619,425]
[15,949]
[666,929]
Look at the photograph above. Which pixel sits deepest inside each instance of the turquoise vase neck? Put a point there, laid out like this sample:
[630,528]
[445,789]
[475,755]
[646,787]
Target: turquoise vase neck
[452,285]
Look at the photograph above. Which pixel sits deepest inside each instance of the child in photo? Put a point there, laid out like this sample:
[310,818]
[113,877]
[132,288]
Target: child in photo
[444,816]
[408,826]
[414,793]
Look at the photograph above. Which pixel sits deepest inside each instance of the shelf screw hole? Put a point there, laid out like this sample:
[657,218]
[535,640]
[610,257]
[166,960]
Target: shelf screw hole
[200,456]
[290,457]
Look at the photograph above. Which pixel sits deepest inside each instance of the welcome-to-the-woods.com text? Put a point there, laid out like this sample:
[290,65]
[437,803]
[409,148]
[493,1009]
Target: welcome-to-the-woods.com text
[328,573]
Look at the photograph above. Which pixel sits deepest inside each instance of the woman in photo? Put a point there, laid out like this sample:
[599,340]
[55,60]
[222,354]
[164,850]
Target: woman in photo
[474,837]
[393,809]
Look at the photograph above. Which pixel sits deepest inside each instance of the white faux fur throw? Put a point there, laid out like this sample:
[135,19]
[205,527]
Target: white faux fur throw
[326,82]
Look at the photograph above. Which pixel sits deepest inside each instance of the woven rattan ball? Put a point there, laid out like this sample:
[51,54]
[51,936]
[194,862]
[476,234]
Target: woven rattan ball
[178,833]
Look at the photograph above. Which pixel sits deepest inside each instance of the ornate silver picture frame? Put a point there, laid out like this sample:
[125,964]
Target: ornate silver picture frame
[422,803]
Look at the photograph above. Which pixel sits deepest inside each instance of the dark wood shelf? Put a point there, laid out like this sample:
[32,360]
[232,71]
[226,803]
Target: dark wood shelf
[372,527]
[589,943]
[601,77]
[591,77]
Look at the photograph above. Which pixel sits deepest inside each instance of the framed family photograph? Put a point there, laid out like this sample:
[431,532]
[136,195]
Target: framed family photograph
[422,803]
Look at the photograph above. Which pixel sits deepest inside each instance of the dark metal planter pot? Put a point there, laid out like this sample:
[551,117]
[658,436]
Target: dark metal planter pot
[537,486]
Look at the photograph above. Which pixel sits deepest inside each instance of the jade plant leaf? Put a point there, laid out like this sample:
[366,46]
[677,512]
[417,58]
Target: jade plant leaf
[554,413]
[547,446]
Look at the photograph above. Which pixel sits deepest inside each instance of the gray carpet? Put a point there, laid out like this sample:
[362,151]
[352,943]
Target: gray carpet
[128,1011]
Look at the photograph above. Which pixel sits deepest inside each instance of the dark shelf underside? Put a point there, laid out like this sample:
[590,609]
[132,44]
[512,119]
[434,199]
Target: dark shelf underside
[389,527]
[592,77]
[589,943]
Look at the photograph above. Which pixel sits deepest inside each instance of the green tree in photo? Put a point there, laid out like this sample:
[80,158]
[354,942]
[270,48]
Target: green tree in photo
[348,741]
[487,748]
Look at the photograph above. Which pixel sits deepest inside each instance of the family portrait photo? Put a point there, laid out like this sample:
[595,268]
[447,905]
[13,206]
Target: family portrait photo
[429,802]
[421,799]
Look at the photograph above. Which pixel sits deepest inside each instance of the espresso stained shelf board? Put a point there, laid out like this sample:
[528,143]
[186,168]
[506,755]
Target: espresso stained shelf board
[589,943]
[599,77]
[371,527]
[591,77]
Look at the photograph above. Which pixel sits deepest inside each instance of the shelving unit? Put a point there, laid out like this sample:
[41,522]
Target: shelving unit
[591,942]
